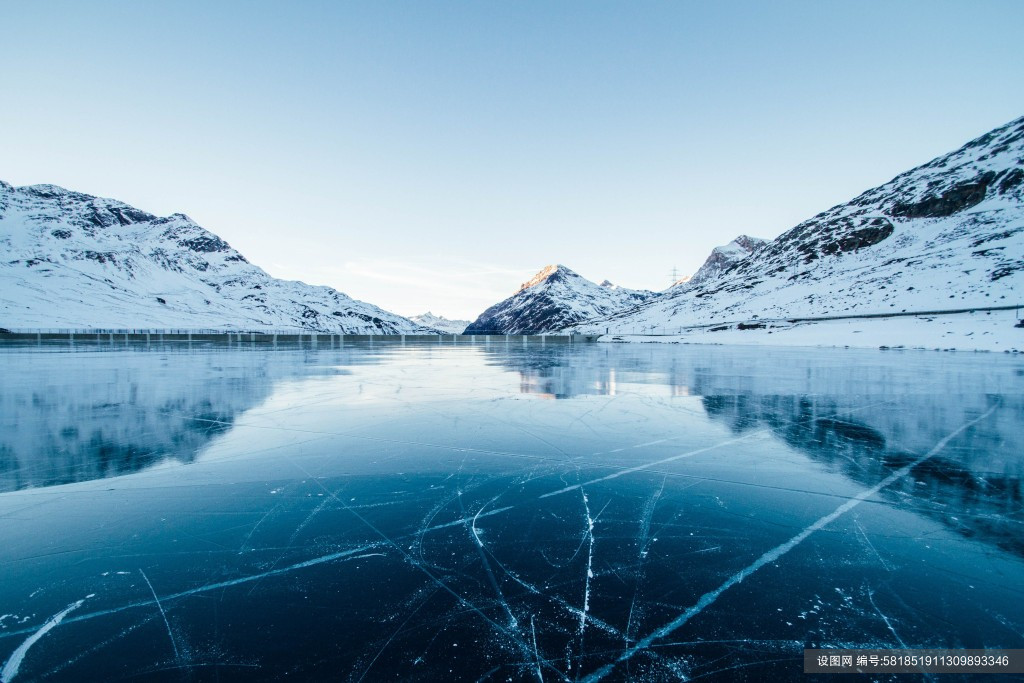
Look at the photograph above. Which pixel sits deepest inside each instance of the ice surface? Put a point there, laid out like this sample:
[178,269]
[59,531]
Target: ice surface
[495,511]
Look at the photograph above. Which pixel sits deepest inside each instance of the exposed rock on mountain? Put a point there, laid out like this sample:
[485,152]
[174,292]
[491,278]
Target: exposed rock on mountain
[552,300]
[71,260]
[945,235]
[723,258]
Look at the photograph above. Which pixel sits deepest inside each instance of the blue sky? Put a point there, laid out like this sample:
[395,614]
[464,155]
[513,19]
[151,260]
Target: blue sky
[433,155]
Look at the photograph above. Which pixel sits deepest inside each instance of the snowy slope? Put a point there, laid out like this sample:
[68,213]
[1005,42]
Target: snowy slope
[440,323]
[70,260]
[553,299]
[946,235]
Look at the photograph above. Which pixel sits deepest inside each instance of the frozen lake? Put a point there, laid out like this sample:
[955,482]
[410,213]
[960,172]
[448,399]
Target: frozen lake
[499,512]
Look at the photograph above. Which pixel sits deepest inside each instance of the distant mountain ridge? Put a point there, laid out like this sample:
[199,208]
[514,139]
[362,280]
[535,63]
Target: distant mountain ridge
[440,323]
[71,260]
[948,234]
[553,299]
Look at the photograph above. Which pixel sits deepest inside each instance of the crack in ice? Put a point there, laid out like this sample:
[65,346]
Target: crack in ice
[646,466]
[778,551]
[10,669]
[346,554]
[513,622]
[170,634]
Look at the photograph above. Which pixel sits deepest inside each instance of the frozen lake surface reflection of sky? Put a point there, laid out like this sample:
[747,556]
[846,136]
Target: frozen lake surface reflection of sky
[498,512]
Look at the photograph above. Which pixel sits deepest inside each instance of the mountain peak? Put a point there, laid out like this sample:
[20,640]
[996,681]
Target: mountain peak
[749,243]
[551,273]
[440,323]
[45,190]
[722,259]
[946,234]
[537,308]
[66,250]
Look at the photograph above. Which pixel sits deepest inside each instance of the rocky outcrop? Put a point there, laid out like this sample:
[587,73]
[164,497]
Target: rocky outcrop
[723,259]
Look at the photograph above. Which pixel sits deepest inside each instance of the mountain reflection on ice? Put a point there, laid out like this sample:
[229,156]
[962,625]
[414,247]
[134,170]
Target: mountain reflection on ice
[420,512]
[67,417]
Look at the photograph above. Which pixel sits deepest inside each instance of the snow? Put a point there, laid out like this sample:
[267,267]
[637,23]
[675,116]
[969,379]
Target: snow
[980,331]
[76,261]
[440,323]
[541,276]
[948,235]
[722,258]
[553,299]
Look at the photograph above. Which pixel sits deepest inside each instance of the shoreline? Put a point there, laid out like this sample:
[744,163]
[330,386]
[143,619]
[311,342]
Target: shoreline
[979,332]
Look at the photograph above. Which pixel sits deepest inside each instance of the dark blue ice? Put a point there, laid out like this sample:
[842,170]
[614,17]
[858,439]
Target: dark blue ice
[501,511]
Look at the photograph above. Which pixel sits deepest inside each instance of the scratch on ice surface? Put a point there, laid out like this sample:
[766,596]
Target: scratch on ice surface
[619,472]
[778,551]
[892,629]
[871,545]
[309,518]
[644,542]
[394,634]
[639,445]
[464,520]
[97,647]
[10,669]
[554,599]
[345,554]
[888,624]
[536,653]
[482,552]
[511,633]
[590,562]
[170,634]
[646,466]
[588,576]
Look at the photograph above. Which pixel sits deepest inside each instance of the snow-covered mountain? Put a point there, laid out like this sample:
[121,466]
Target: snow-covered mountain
[552,300]
[945,235]
[71,260]
[722,258]
[440,323]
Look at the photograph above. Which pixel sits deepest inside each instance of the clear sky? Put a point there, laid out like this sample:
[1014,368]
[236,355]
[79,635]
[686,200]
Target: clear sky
[433,155]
